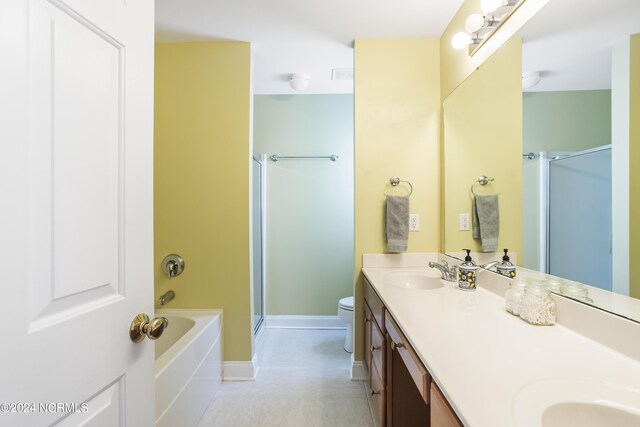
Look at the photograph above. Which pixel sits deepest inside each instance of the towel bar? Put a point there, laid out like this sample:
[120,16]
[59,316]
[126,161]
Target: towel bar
[482,180]
[395,181]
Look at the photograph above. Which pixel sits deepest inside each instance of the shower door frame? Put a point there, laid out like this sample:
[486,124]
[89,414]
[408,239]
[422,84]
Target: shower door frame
[261,159]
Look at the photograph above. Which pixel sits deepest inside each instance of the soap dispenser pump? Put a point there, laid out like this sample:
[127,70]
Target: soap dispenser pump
[468,273]
[506,267]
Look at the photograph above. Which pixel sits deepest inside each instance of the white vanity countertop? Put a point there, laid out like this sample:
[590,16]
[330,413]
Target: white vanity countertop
[481,356]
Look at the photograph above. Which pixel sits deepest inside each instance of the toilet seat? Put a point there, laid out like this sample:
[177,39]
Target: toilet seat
[346,303]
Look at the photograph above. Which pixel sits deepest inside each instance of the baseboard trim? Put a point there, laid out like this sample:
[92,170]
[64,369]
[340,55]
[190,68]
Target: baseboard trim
[240,370]
[305,322]
[358,370]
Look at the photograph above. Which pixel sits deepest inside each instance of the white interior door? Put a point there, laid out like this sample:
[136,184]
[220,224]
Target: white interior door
[76,241]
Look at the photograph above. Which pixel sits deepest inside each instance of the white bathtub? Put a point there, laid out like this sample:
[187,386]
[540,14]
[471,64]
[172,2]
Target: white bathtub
[188,365]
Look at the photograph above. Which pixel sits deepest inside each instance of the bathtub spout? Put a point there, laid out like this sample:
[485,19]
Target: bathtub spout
[165,298]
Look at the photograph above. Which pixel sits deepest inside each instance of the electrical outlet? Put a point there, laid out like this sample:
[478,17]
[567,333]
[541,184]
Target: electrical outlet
[414,222]
[465,219]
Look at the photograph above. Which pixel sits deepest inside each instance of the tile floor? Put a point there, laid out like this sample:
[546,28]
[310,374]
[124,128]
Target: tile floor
[303,382]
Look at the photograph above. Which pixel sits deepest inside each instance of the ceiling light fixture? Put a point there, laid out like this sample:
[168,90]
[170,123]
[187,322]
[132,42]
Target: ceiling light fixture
[298,81]
[529,80]
[479,27]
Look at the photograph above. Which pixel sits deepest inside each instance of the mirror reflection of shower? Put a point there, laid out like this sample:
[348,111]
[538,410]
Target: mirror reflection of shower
[567,214]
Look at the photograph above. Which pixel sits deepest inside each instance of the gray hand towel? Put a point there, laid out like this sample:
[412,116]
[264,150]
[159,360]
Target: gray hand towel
[486,221]
[397,227]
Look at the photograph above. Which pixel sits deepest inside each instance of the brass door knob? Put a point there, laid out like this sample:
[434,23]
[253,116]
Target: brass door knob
[142,327]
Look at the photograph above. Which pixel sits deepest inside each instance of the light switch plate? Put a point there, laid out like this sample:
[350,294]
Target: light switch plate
[414,222]
[465,220]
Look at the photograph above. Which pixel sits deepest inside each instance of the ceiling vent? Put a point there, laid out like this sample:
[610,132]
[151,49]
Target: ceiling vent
[342,74]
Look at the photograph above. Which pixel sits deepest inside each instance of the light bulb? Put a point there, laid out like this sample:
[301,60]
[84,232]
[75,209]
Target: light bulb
[489,6]
[460,40]
[474,22]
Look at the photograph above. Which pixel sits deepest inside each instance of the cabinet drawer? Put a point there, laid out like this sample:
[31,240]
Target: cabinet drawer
[441,413]
[400,344]
[377,397]
[375,303]
[376,349]
[368,321]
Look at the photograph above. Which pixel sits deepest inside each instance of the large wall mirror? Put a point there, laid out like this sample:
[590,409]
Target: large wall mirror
[561,144]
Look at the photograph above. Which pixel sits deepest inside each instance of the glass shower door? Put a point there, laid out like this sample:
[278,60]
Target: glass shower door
[580,228]
[257,220]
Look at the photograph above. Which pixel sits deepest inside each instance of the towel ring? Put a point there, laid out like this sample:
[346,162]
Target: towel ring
[395,181]
[482,180]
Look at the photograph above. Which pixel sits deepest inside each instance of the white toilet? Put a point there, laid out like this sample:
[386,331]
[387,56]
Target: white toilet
[345,312]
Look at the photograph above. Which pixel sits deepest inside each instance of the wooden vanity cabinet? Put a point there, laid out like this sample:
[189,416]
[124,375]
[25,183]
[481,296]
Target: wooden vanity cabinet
[407,381]
[402,392]
[368,318]
[442,414]
[375,351]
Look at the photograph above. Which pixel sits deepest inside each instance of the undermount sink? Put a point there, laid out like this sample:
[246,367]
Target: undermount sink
[562,402]
[413,280]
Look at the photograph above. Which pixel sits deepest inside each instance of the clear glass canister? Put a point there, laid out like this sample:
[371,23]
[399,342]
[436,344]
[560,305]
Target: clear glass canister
[537,306]
[553,284]
[513,296]
[576,290]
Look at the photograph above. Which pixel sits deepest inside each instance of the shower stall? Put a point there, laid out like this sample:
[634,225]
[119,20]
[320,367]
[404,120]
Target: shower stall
[567,214]
[258,221]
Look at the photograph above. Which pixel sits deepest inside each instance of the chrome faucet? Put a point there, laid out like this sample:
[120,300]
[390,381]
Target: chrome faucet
[166,297]
[489,265]
[447,273]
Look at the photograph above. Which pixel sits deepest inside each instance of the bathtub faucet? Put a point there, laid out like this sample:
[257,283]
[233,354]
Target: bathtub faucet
[165,298]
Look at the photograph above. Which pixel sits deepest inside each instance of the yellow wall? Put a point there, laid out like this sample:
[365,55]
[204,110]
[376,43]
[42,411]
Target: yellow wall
[397,132]
[634,159]
[201,162]
[483,136]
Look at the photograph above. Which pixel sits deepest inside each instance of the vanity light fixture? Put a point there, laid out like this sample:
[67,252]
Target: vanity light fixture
[298,81]
[479,27]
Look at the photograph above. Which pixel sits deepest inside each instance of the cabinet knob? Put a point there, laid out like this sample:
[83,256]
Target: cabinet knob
[373,348]
[373,392]
[398,345]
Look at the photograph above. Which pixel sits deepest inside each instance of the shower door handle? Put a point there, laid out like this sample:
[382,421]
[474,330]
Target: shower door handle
[142,327]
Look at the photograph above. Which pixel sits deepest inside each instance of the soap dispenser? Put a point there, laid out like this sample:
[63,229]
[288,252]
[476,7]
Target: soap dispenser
[468,273]
[506,268]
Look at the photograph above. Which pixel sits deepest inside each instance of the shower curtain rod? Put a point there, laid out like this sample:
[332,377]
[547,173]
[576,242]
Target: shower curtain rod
[275,157]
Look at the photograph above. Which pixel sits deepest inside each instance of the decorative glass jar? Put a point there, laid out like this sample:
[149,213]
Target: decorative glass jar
[537,307]
[577,291]
[513,296]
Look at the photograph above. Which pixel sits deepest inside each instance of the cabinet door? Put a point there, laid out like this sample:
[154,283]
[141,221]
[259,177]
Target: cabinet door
[377,397]
[368,319]
[441,413]
[375,304]
[377,349]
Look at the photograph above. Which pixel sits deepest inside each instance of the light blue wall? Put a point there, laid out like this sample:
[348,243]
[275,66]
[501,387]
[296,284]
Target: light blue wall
[310,234]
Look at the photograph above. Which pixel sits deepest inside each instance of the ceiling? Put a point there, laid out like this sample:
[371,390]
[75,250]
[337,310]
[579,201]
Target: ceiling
[569,42]
[306,37]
